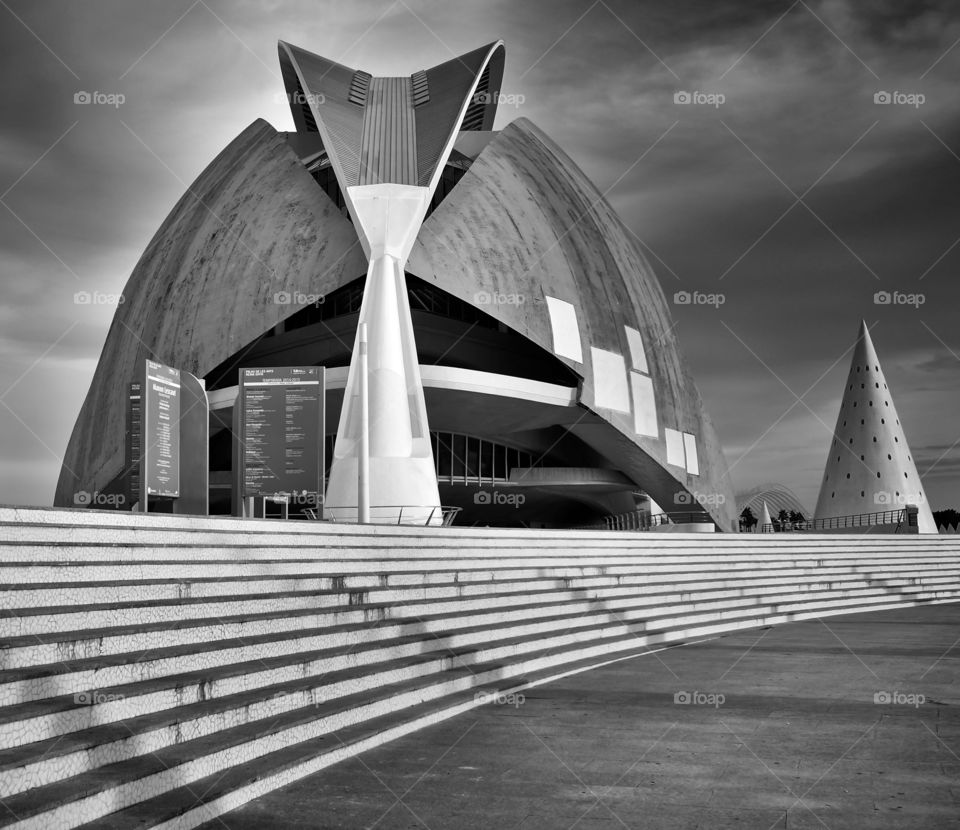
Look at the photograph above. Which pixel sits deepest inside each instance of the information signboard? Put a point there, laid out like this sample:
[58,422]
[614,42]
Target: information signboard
[134,445]
[281,432]
[161,430]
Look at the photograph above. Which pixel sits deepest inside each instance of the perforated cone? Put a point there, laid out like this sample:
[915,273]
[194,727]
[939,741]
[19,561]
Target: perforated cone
[870,467]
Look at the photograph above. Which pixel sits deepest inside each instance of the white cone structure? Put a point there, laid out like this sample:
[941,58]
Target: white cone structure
[766,523]
[870,467]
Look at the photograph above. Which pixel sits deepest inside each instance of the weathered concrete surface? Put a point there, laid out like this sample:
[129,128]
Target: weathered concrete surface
[253,223]
[798,742]
[523,220]
[526,220]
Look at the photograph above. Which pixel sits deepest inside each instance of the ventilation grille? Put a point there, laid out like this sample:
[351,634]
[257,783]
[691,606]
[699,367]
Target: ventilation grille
[421,89]
[473,120]
[359,85]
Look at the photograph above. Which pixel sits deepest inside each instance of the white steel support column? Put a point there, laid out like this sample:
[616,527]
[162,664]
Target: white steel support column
[401,467]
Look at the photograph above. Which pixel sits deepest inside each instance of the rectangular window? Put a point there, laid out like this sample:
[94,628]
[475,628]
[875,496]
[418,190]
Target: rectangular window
[444,455]
[459,456]
[486,460]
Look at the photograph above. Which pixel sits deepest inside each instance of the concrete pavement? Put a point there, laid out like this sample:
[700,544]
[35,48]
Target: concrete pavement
[849,722]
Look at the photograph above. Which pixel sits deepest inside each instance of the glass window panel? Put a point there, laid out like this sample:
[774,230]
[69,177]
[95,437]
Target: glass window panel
[444,455]
[486,460]
[473,457]
[459,455]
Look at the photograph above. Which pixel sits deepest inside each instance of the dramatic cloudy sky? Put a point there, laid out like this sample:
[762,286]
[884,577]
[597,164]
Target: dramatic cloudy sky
[797,199]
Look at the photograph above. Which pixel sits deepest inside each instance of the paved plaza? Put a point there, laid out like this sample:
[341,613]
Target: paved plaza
[783,731]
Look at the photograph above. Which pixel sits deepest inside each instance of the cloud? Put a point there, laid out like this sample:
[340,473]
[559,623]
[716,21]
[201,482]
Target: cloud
[799,105]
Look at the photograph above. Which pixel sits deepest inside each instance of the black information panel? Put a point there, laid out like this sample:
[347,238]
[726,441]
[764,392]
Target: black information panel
[161,433]
[134,444]
[281,431]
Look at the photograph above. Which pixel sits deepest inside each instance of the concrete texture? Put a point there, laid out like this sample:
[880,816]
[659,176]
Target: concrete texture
[252,224]
[798,741]
[163,670]
[525,220]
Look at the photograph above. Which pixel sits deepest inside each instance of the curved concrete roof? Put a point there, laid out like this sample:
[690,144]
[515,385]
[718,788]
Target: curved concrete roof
[252,224]
[524,222]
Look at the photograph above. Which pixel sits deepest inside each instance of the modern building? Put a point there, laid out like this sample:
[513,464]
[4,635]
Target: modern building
[523,363]
[870,468]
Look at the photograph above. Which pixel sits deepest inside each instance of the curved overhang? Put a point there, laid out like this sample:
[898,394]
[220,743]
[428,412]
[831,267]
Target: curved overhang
[502,403]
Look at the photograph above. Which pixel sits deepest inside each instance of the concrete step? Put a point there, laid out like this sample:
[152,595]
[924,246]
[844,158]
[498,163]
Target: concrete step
[66,594]
[50,719]
[43,619]
[85,526]
[229,657]
[61,645]
[116,786]
[353,626]
[129,567]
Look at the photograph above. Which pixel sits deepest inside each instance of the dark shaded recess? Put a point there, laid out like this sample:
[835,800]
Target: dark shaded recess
[449,332]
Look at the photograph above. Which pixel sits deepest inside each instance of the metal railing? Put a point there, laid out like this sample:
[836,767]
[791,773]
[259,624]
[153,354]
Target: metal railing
[399,514]
[881,517]
[637,520]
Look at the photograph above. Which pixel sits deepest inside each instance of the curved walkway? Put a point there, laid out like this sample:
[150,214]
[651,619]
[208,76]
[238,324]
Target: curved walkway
[852,722]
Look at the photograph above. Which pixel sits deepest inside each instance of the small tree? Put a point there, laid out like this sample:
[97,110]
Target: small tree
[747,519]
[946,518]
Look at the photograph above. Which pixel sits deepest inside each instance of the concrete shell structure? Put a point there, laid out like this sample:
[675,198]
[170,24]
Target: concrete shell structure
[870,468]
[574,360]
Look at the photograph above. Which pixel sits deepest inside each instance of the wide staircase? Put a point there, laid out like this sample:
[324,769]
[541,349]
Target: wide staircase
[160,671]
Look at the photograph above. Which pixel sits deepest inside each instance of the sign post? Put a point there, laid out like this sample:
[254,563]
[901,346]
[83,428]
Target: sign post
[157,464]
[168,417]
[281,430]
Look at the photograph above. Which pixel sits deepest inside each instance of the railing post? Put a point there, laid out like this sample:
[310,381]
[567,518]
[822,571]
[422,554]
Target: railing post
[363,457]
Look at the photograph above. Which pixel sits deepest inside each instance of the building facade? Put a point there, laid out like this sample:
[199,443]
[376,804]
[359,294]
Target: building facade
[523,333]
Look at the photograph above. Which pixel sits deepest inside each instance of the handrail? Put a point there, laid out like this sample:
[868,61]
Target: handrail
[881,517]
[637,520]
[415,514]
